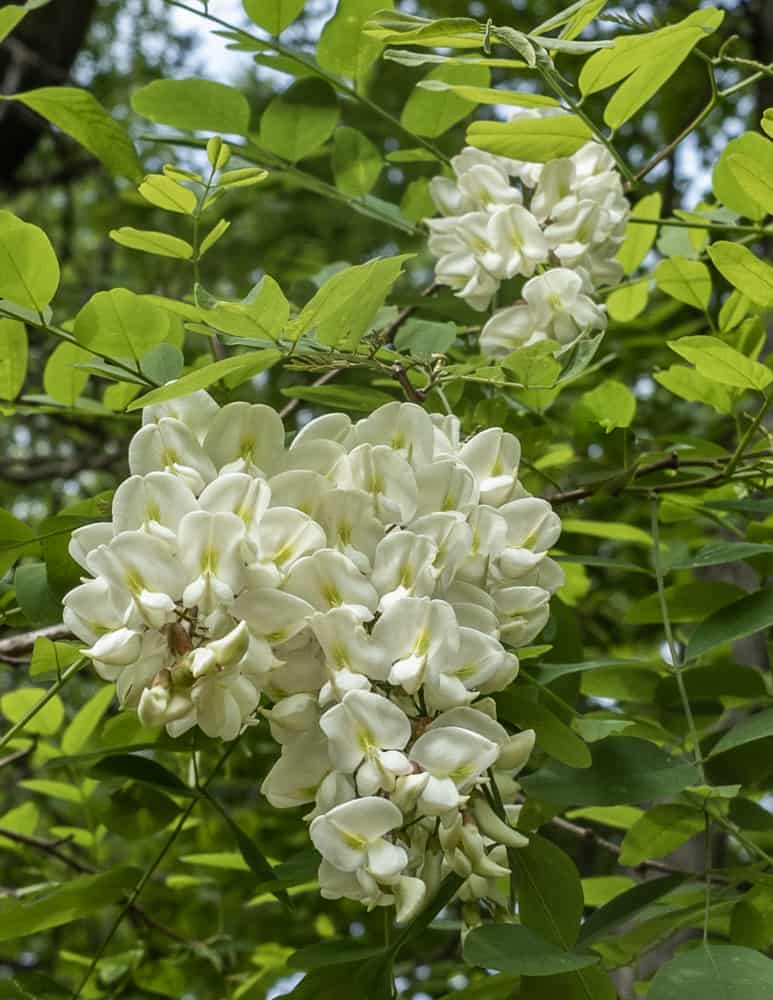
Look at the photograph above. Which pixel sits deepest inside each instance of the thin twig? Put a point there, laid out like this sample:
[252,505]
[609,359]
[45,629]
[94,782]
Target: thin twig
[53,849]
[24,641]
[587,834]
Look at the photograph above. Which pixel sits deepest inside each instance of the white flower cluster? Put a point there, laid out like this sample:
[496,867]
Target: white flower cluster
[365,580]
[559,225]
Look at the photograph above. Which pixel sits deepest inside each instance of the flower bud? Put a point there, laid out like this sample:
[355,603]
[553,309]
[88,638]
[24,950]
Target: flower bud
[495,827]
[517,750]
[218,152]
[117,649]
[232,647]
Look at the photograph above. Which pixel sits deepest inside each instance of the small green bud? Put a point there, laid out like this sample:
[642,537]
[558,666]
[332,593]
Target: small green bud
[218,152]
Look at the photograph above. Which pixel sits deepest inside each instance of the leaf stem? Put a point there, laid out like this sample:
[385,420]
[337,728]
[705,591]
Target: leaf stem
[674,654]
[149,872]
[747,436]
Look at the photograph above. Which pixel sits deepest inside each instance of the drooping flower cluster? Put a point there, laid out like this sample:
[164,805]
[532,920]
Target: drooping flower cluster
[365,582]
[557,225]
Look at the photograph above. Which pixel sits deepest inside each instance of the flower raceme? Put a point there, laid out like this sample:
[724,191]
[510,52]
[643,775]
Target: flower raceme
[557,225]
[362,590]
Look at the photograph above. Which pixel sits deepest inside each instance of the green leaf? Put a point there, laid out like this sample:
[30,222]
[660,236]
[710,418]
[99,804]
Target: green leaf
[535,140]
[719,553]
[611,404]
[151,241]
[606,529]
[755,177]
[639,238]
[299,120]
[343,48]
[75,899]
[41,606]
[80,115]
[12,13]
[13,357]
[628,903]
[163,192]
[51,657]
[490,95]
[750,275]
[243,365]
[549,891]
[520,951]
[251,853]
[737,197]
[359,398]
[755,727]
[628,302]
[346,305]
[144,770]
[356,161]
[336,952]
[659,831]
[219,229]
[553,736]
[121,324]
[686,602]
[688,281]
[372,978]
[61,379]
[86,720]
[431,113]
[644,63]
[273,15]
[624,770]
[29,270]
[193,104]
[163,363]
[689,384]
[423,337]
[716,360]
[406,29]
[46,722]
[714,972]
[746,616]
[263,313]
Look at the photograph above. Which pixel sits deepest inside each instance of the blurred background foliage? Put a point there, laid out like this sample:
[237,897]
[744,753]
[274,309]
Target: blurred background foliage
[220,936]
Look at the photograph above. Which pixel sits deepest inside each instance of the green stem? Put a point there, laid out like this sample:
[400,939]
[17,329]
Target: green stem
[253,154]
[149,872]
[666,151]
[676,660]
[551,79]
[335,81]
[720,226]
[747,436]
[18,727]
[706,873]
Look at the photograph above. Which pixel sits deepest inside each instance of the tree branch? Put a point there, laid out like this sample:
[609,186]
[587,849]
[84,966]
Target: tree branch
[24,641]
[587,834]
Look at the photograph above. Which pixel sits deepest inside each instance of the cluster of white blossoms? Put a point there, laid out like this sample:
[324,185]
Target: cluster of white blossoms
[364,582]
[559,225]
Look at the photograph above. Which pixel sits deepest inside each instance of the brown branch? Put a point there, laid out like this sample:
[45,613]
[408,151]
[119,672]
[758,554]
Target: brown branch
[23,642]
[672,461]
[384,337]
[411,392]
[588,835]
[581,493]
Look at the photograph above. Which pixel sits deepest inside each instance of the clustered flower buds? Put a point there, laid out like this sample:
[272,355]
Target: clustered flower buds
[369,583]
[557,225]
